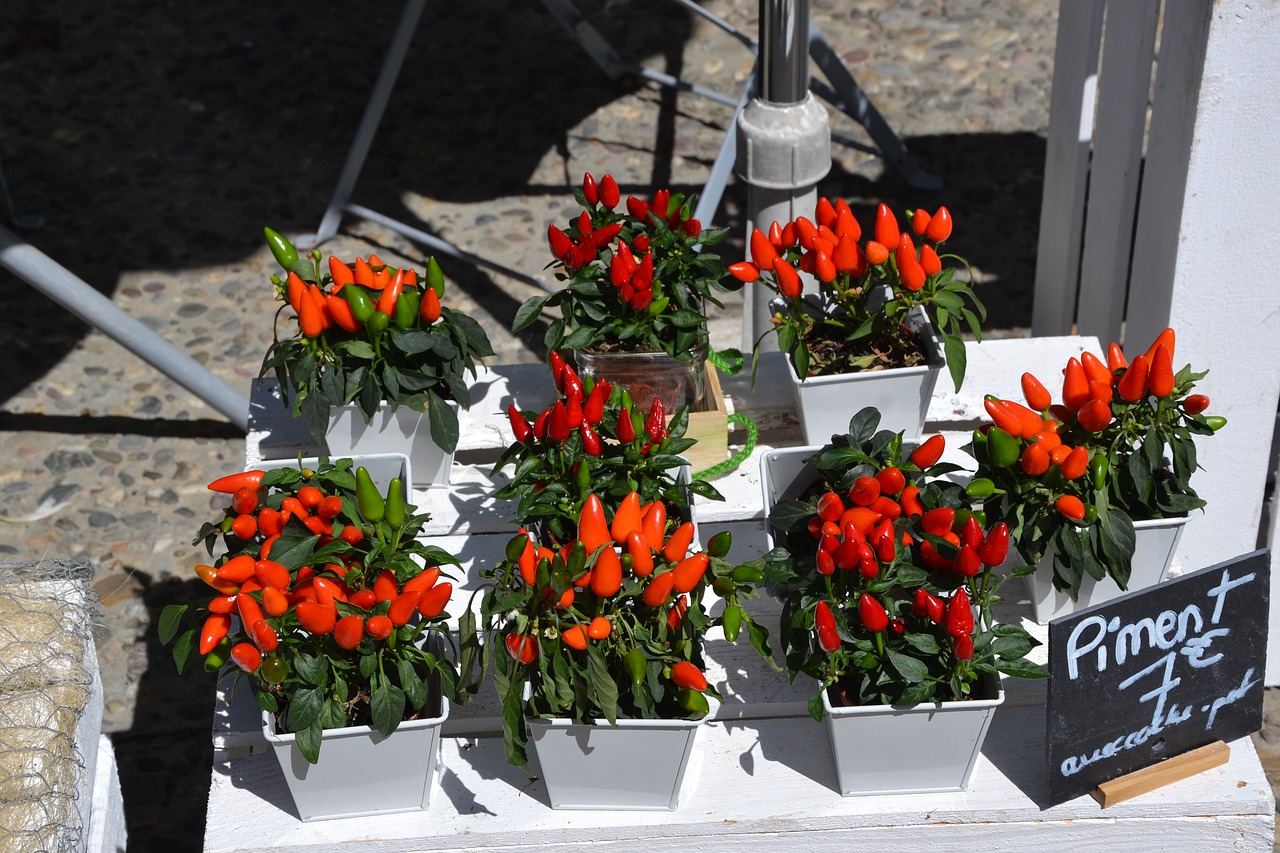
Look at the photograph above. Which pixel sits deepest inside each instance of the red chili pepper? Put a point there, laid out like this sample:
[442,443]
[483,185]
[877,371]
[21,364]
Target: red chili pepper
[661,203]
[340,274]
[214,629]
[1160,379]
[920,221]
[928,454]
[609,193]
[559,241]
[745,271]
[929,260]
[1133,384]
[927,605]
[959,618]
[590,440]
[939,225]
[1115,358]
[872,613]
[1165,338]
[589,189]
[638,208]
[962,647]
[232,483]
[655,424]
[886,230]
[626,430]
[540,424]
[390,293]
[789,284]
[1075,385]
[688,676]
[558,425]
[1036,394]
[1076,463]
[602,238]
[1195,404]
[643,278]
[910,273]
[1070,507]
[995,547]
[762,252]
[678,545]
[522,647]
[519,425]
[1094,416]
[692,228]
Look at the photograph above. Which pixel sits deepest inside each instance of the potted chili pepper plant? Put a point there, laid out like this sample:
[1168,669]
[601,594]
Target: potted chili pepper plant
[637,285]
[376,363]
[886,576]
[596,651]
[594,439]
[1096,489]
[333,612]
[886,316]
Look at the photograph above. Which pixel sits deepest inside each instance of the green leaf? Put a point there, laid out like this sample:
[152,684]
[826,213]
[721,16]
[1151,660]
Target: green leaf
[444,422]
[185,650]
[313,669]
[915,694]
[528,313]
[957,358]
[415,689]
[815,707]
[925,643]
[1022,668]
[309,739]
[170,621]
[387,707]
[911,669]
[790,515]
[602,683]
[304,708]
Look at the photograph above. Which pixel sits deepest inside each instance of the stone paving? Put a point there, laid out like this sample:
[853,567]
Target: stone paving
[155,141]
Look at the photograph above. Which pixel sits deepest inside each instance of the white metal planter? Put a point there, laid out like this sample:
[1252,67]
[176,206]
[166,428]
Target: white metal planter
[402,430]
[825,404]
[1157,539]
[382,467]
[637,765]
[360,772]
[907,749]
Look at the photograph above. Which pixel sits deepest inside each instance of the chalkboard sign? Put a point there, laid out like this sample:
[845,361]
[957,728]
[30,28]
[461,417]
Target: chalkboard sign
[1155,673]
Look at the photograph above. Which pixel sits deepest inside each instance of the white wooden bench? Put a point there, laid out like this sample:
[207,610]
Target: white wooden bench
[762,777]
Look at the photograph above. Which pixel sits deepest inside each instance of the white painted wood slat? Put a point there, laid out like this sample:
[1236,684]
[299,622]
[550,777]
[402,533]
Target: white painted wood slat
[1066,169]
[1124,82]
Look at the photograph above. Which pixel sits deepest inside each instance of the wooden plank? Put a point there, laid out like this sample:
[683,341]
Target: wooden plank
[1148,779]
[1066,167]
[1124,83]
[1184,35]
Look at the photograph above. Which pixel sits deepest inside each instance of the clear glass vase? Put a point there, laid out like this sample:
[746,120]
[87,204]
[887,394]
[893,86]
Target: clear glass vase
[647,374]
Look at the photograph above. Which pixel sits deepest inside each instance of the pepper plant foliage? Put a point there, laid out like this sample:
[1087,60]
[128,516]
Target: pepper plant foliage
[334,596]
[881,563]
[636,280]
[608,626]
[1070,478]
[594,439]
[861,318]
[369,334]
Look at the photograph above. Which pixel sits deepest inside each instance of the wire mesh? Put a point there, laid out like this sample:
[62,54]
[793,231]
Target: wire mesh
[47,668]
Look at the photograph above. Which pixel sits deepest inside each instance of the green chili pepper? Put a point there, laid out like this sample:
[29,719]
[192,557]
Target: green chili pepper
[582,476]
[516,547]
[435,277]
[394,506]
[1002,449]
[361,305]
[723,587]
[1099,467]
[746,574]
[407,308]
[285,254]
[217,656]
[371,505]
[656,307]
[719,544]
[1215,422]
[377,323]
[636,665]
[542,574]
[693,702]
[731,621]
[980,487]
[577,559]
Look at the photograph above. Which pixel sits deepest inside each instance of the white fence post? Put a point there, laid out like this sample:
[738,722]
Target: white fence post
[1225,304]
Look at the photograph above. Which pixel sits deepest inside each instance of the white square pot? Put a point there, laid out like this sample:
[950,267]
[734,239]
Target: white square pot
[637,765]
[1156,541]
[360,772]
[909,749]
[400,431]
[824,404]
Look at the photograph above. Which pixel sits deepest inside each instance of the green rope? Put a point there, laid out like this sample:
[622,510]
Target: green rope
[753,435]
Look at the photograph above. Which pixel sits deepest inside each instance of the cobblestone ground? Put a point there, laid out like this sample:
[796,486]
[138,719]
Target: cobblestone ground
[156,139]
